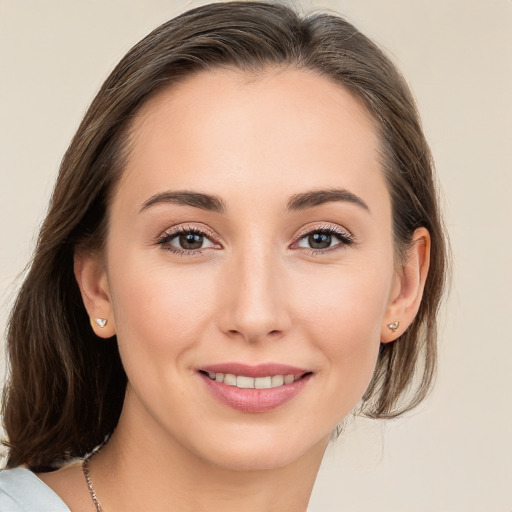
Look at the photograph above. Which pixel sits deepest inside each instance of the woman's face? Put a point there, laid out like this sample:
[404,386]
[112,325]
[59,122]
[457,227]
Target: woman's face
[250,235]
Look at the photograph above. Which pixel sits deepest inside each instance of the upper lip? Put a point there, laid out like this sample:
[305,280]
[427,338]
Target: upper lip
[259,370]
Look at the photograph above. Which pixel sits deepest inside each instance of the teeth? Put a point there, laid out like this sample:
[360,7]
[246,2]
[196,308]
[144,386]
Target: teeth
[263,382]
[244,382]
[277,380]
[288,379]
[230,379]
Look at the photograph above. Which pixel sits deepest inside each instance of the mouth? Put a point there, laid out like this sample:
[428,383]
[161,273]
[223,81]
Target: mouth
[247,382]
[253,389]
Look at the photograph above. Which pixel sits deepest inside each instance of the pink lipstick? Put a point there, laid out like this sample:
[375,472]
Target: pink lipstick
[256,388]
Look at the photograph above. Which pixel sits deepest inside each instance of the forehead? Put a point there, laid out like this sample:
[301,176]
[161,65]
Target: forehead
[228,131]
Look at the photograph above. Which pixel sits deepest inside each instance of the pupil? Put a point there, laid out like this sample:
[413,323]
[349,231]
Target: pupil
[191,241]
[319,240]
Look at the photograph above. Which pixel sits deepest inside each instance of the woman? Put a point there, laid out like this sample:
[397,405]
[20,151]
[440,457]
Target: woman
[243,244]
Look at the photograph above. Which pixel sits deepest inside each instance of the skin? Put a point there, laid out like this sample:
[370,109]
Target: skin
[255,293]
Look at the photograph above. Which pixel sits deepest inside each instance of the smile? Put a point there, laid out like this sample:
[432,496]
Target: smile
[246,382]
[254,389]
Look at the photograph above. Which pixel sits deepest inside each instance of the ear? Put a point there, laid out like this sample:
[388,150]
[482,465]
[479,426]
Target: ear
[408,287]
[92,280]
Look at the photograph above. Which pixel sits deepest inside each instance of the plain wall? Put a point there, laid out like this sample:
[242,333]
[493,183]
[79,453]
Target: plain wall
[455,452]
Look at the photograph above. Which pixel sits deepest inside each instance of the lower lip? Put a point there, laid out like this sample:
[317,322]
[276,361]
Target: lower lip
[255,400]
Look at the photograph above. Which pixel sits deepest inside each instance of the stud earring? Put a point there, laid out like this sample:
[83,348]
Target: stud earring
[100,322]
[394,326]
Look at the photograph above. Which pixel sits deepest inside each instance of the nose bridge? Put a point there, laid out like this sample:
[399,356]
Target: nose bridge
[255,303]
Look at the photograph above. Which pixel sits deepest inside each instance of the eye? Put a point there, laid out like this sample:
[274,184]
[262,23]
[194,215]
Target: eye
[325,238]
[186,240]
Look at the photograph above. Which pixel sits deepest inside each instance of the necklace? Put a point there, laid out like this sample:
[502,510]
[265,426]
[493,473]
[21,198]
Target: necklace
[87,475]
[85,471]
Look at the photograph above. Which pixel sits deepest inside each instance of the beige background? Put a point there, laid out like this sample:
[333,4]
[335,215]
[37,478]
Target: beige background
[453,454]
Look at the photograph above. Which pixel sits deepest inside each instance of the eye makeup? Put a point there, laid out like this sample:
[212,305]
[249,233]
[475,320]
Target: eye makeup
[319,240]
[187,240]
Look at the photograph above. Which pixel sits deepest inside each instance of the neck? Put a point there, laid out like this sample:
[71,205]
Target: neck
[135,472]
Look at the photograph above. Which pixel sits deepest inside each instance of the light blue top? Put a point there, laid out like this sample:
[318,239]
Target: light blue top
[22,491]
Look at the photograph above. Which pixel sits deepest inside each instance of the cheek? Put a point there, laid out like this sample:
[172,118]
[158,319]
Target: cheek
[158,310]
[346,303]
[344,318]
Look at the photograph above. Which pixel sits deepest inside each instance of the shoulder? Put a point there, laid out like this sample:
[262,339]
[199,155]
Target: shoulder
[22,491]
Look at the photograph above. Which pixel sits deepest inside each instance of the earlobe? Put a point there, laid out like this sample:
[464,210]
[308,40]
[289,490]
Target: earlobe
[407,292]
[94,288]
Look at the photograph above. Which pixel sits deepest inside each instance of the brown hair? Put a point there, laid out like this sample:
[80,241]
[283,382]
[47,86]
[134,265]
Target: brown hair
[66,389]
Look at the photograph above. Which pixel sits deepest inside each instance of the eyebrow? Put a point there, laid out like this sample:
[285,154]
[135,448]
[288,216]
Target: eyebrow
[185,198]
[318,197]
[214,203]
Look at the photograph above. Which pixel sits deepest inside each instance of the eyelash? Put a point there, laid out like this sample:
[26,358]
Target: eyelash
[344,237]
[166,238]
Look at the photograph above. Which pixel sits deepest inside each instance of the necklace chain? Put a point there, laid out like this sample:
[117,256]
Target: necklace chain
[85,471]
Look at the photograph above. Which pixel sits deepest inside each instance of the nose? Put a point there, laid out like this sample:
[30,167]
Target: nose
[254,301]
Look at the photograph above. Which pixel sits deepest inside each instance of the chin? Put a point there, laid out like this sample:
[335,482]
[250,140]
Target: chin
[263,450]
